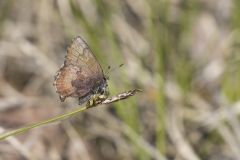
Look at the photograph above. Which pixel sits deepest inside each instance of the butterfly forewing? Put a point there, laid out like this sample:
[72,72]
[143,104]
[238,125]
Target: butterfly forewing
[79,54]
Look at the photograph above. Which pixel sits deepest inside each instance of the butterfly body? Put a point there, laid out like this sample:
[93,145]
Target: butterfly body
[81,76]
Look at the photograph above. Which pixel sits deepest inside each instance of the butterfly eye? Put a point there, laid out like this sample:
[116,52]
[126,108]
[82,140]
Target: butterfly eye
[106,78]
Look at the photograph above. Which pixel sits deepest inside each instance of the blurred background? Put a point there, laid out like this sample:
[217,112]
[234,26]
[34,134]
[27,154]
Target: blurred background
[183,54]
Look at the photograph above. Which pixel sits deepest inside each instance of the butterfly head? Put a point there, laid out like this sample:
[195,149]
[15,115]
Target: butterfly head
[103,89]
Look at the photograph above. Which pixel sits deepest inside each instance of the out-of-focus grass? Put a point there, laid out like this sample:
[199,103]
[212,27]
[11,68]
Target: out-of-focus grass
[169,44]
[168,30]
[159,34]
[230,83]
[236,14]
[5,9]
[231,78]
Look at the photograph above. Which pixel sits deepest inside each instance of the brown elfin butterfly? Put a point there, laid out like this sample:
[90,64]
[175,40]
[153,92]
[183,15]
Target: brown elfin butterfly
[81,75]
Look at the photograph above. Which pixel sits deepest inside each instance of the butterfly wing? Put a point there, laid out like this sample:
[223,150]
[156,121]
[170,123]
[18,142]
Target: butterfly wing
[79,54]
[63,81]
[81,74]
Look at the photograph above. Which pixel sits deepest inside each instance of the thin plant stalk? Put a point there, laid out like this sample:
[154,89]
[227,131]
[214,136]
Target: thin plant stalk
[96,102]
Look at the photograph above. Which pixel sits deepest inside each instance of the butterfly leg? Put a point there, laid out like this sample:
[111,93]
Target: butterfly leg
[96,99]
[89,103]
[62,98]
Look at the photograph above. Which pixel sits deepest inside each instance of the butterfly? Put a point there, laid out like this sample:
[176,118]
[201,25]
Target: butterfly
[81,75]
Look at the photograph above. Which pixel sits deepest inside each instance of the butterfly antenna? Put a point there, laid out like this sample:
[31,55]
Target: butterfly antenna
[113,69]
